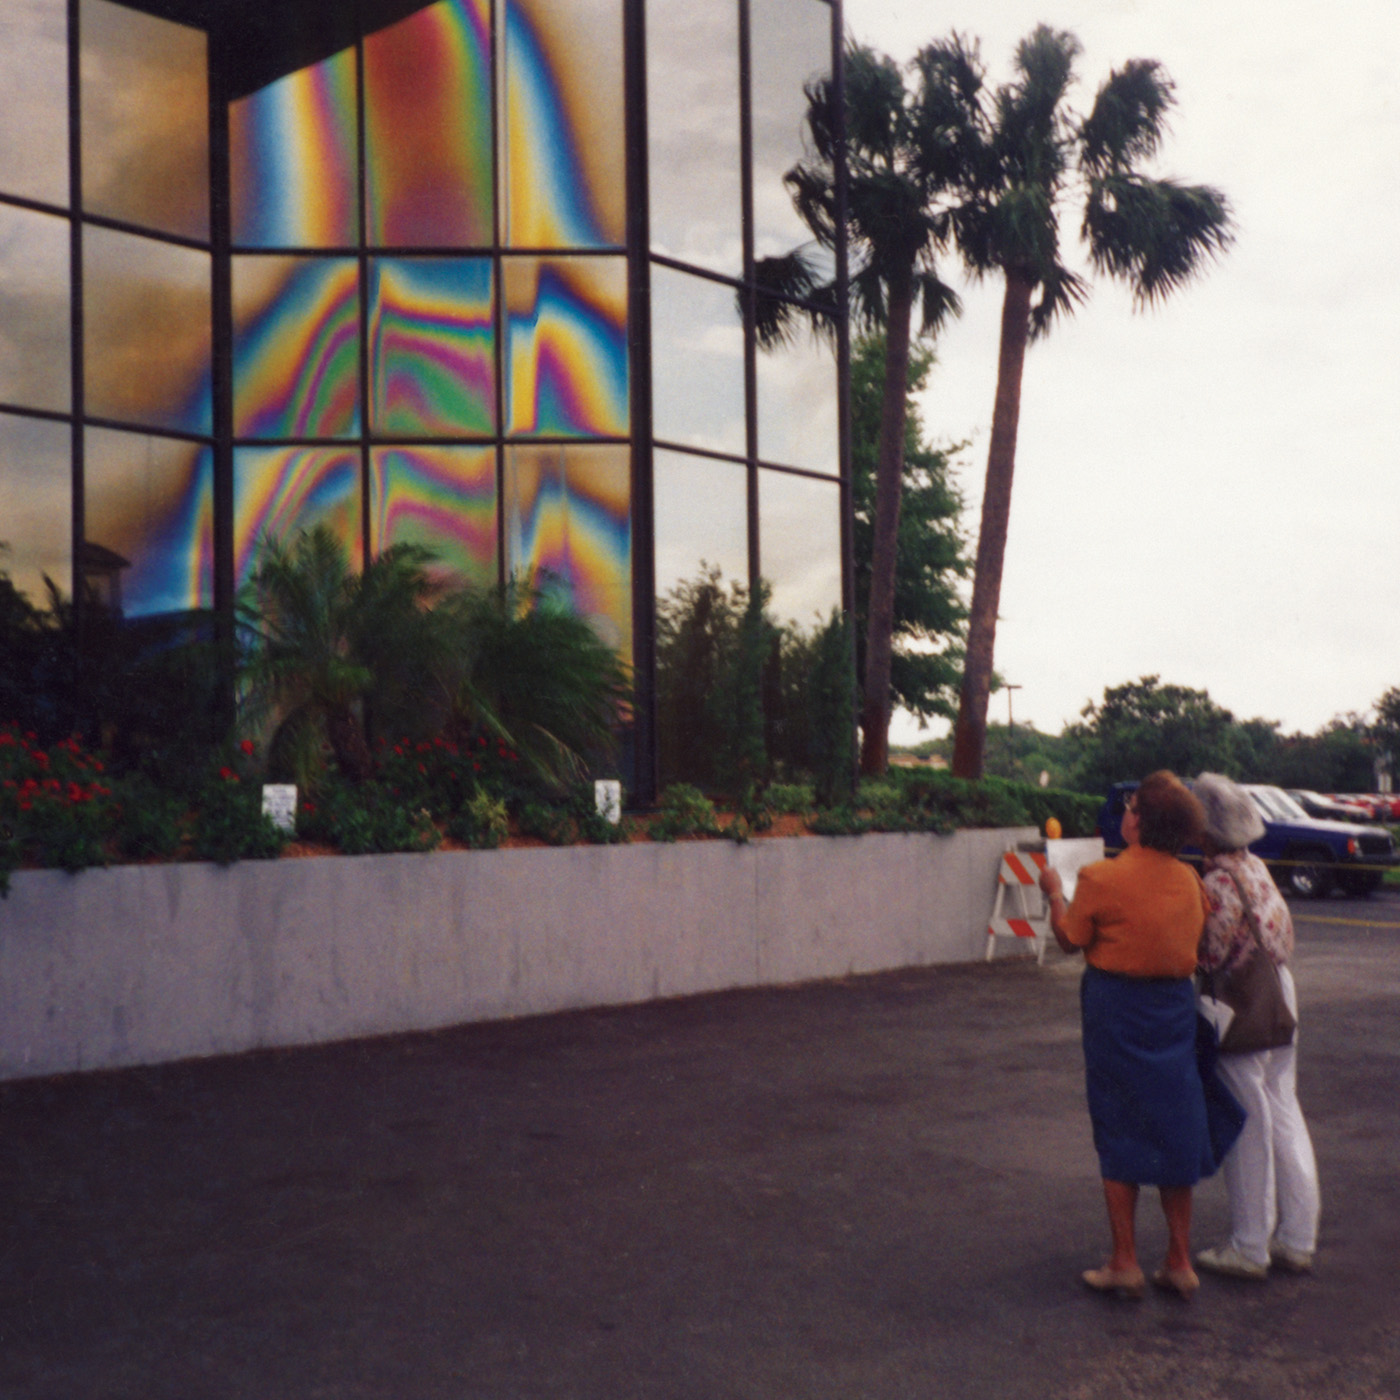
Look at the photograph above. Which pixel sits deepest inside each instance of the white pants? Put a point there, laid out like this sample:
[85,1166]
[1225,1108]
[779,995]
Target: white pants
[1270,1172]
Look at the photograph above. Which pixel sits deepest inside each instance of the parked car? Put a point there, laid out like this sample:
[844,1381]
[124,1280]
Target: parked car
[1382,806]
[1307,855]
[1336,809]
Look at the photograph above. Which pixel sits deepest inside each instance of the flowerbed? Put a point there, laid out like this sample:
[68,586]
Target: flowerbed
[62,807]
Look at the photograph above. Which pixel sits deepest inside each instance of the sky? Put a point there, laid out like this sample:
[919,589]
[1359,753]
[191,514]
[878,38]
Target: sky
[1208,491]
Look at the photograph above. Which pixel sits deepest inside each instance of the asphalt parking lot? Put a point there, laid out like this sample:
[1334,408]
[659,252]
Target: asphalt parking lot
[881,1187]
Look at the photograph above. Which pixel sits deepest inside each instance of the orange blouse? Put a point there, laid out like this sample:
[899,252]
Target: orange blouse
[1140,914]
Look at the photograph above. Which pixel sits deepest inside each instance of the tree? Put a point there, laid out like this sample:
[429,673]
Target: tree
[930,553]
[1143,725]
[904,162]
[1153,234]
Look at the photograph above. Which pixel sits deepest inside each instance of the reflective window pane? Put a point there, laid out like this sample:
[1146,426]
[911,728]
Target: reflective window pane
[428,128]
[149,522]
[34,114]
[701,512]
[296,351]
[278,491]
[697,370]
[36,505]
[293,153]
[799,534]
[443,498]
[562,134]
[147,334]
[566,346]
[568,525]
[145,119]
[797,395]
[35,322]
[693,134]
[431,347]
[791,44]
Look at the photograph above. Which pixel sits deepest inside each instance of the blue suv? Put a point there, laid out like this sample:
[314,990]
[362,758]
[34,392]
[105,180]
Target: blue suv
[1307,856]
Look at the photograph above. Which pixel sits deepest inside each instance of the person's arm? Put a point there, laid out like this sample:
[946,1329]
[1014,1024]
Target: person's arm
[1053,889]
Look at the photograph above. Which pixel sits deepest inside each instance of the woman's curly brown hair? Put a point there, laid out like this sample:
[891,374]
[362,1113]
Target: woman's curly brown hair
[1169,816]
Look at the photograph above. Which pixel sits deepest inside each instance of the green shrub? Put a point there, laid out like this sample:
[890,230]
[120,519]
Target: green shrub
[684,811]
[150,823]
[56,807]
[480,822]
[229,822]
[365,819]
[790,799]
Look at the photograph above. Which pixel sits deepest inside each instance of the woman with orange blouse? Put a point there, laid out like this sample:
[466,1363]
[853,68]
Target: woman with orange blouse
[1138,919]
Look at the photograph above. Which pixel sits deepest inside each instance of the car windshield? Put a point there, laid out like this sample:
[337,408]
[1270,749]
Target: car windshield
[1276,805]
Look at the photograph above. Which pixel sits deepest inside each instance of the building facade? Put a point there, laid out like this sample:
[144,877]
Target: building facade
[474,274]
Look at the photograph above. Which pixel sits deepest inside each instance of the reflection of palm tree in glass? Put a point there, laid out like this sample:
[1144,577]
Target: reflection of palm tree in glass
[902,155]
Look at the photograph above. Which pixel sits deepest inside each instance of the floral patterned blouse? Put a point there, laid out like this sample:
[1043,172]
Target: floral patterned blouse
[1227,940]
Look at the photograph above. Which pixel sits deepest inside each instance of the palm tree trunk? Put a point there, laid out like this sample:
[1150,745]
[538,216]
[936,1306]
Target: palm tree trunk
[889,484]
[348,744]
[971,735]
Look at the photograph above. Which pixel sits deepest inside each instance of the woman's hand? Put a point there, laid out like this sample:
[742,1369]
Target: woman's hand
[1051,886]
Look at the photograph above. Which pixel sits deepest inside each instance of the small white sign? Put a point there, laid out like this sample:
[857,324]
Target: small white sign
[280,803]
[607,794]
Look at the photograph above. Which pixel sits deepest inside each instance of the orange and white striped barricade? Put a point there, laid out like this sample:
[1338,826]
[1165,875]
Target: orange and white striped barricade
[1020,873]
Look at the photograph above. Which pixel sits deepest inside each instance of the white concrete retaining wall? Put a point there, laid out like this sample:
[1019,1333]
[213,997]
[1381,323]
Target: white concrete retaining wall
[140,964]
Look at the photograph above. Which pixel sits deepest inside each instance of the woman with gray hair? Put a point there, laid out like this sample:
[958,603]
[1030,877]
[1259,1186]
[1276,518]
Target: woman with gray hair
[1271,1172]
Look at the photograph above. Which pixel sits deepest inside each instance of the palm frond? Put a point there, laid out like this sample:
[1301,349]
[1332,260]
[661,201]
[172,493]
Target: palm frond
[940,302]
[1061,292]
[1157,235]
[1128,119]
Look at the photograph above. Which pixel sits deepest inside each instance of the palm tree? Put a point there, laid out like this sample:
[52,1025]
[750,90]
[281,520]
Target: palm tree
[906,153]
[320,640]
[1153,234]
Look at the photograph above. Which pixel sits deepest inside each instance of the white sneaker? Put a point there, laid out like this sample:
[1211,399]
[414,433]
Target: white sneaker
[1291,1261]
[1226,1259]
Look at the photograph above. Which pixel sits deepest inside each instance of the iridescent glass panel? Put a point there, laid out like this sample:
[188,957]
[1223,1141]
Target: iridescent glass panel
[35,321]
[431,328]
[797,398]
[694,166]
[566,347]
[294,157]
[148,512]
[562,132]
[442,498]
[147,335]
[791,45]
[428,128]
[568,526]
[296,349]
[799,533]
[34,114]
[278,491]
[145,119]
[36,505]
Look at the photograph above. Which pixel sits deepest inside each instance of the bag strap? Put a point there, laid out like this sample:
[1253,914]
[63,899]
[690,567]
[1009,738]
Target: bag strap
[1250,916]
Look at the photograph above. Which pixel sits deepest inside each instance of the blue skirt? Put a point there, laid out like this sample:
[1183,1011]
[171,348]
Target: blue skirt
[1147,1096]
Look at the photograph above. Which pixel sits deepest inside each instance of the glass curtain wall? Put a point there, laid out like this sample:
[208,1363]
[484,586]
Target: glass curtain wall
[747,464]
[371,263]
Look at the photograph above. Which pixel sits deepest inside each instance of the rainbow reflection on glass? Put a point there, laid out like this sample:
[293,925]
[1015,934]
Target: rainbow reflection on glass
[566,346]
[443,498]
[278,491]
[569,528]
[296,349]
[293,152]
[563,117]
[428,128]
[431,345]
[149,511]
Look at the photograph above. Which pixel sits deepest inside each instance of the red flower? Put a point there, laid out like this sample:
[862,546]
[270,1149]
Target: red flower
[228,775]
[247,747]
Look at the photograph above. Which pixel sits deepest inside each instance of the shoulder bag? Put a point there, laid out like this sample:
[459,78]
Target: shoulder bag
[1254,993]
